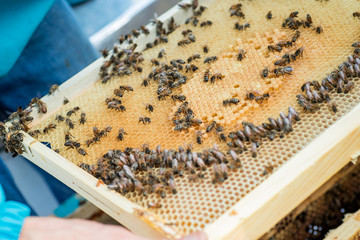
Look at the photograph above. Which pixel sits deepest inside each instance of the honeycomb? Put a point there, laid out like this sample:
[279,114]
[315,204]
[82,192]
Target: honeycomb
[198,204]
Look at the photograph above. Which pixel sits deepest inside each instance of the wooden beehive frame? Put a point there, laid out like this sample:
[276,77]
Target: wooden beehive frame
[249,218]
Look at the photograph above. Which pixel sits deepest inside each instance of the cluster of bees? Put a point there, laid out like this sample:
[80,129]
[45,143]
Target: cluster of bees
[338,81]
[118,169]
[184,117]
[292,22]
[285,59]
[255,134]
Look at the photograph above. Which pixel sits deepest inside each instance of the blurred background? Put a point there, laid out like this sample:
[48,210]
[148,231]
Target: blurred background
[103,21]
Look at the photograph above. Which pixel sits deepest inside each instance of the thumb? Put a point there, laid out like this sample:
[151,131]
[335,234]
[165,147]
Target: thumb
[195,236]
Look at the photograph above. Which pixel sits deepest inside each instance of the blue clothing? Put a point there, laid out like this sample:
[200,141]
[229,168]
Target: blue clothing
[12,215]
[18,21]
[56,51]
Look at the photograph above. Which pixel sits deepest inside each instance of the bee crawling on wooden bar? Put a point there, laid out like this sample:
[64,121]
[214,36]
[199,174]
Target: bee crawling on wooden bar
[49,127]
[53,88]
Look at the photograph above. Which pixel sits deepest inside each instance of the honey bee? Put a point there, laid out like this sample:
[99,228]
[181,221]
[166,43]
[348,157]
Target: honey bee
[105,53]
[180,98]
[69,123]
[118,92]
[144,29]
[59,118]
[206,48]
[193,57]
[268,169]
[105,79]
[53,88]
[161,53]
[199,137]
[211,126]
[241,55]
[146,82]
[192,37]
[82,151]
[206,23]
[356,15]
[149,107]
[42,106]
[241,27]
[72,144]
[231,101]
[332,106]
[318,29]
[154,62]
[348,87]
[149,45]
[172,186]
[296,36]
[283,70]
[144,120]
[273,48]
[206,75]
[253,149]
[69,113]
[48,128]
[126,88]
[184,42]
[265,72]
[82,118]
[121,134]
[66,101]
[269,15]
[210,59]
[257,96]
